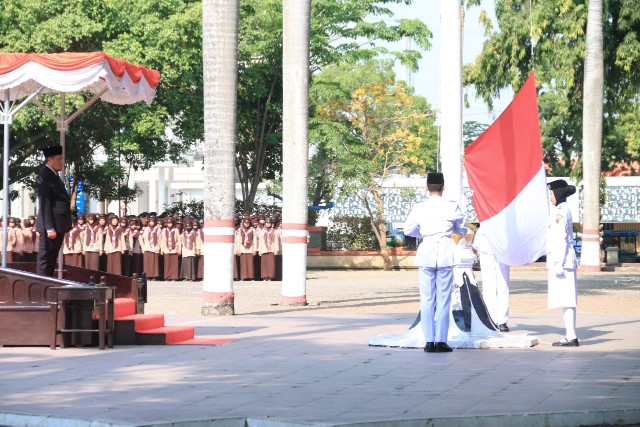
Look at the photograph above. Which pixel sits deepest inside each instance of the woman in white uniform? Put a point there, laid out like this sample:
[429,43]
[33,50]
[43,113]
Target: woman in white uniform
[561,260]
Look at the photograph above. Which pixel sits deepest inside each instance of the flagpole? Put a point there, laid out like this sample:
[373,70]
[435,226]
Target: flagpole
[451,98]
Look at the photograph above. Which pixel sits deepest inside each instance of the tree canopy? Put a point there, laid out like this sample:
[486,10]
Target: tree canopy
[163,35]
[167,35]
[557,39]
[342,31]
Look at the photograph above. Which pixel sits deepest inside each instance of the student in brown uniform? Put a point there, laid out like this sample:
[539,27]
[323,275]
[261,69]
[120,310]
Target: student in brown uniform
[134,248]
[170,249]
[189,245]
[278,226]
[102,224]
[246,246]
[115,246]
[14,227]
[197,227]
[268,247]
[92,238]
[150,243]
[30,240]
[11,238]
[72,246]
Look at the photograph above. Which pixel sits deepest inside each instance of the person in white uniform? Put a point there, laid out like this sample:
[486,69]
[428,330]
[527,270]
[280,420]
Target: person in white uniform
[495,282]
[561,260]
[435,220]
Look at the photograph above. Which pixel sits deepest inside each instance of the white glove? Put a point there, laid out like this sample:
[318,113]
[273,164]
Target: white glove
[558,269]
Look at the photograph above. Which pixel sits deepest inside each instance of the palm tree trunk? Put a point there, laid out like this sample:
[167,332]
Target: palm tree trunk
[220,58]
[295,147]
[592,137]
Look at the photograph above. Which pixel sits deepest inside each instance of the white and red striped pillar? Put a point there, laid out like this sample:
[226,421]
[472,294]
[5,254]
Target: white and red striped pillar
[590,255]
[295,149]
[294,255]
[218,295]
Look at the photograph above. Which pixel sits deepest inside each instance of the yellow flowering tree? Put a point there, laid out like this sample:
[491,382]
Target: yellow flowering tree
[368,126]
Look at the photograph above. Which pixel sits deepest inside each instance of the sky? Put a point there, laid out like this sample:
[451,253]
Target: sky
[427,80]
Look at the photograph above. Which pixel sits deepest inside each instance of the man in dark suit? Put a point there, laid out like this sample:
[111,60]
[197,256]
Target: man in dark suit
[54,211]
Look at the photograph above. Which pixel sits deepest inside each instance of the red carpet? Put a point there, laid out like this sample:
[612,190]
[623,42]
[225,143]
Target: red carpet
[149,329]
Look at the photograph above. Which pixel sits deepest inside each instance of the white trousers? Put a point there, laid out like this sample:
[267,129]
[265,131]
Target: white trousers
[435,301]
[495,287]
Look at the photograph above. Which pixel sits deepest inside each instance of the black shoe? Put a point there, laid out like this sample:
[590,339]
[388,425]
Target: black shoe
[430,347]
[442,347]
[567,343]
[503,327]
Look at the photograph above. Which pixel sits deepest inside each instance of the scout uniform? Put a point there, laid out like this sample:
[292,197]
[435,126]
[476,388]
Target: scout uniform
[189,243]
[29,239]
[115,246]
[92,238]
[170,247]
[150,243]
[246,246]
[72,246]
[268,248]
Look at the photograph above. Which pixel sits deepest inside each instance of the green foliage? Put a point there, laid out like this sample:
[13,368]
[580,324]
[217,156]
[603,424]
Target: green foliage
[192,208]
[342,31]
[472,130]
[165,35]
[558,38]
[351,233]
[367,126]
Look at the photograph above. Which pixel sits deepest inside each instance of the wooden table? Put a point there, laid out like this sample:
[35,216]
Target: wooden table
[102,297]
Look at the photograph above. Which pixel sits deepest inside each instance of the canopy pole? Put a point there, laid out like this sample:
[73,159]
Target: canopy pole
[6,120]
[62,127]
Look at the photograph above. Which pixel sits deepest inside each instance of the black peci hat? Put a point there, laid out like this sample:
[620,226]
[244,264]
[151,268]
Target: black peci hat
[54,150]
[435,178]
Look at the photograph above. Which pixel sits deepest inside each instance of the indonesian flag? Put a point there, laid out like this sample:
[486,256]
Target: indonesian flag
[507,177]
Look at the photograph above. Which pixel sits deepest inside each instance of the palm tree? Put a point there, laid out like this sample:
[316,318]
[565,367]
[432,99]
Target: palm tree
[592,137]
[220,58]
[295,146]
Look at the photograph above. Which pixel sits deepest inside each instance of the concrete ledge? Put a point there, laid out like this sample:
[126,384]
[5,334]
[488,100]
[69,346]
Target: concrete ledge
[559,419]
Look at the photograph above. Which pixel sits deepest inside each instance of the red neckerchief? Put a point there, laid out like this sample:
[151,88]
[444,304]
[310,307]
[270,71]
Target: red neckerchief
[153,235]
[72,235]
[114,234]
[171,238]
[247,237]
[92,234]
[189,238]
[268,234]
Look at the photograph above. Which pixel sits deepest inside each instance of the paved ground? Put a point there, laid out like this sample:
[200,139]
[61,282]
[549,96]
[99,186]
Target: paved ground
[312,366]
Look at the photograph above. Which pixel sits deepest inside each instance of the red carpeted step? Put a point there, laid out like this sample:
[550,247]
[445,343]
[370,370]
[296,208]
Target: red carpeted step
[143,322]
[123,307]
[173,334]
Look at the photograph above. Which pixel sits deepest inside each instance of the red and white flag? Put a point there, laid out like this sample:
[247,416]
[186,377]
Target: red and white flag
[506,174]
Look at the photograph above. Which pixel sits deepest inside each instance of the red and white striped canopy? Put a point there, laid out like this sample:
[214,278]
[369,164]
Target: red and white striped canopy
[23,73]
